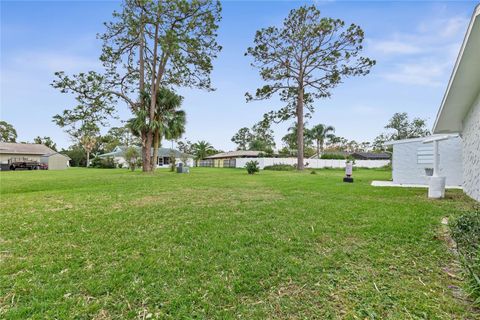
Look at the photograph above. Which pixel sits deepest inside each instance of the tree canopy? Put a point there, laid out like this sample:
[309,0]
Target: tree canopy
[7,132]
[304,60]
[148,45]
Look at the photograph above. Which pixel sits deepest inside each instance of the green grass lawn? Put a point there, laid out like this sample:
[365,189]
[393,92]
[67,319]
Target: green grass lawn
[220,244]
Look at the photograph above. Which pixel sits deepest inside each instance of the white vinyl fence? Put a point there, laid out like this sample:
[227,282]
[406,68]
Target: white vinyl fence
[311,163]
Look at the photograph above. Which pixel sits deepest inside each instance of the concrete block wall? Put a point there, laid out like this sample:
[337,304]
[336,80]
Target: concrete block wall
[471,151]
[408,170]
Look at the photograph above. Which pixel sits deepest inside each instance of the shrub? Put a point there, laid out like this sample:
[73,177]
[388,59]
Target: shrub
[313,172]
[466,233]
[103,163]
[131,156]
[252,167]
[333,156]
[280,167]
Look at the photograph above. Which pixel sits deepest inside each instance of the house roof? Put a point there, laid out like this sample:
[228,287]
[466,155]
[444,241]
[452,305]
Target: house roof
[371,155]
[162,152]
[236,154]
[464,84]
[55,153]
[421,139]
[24,148]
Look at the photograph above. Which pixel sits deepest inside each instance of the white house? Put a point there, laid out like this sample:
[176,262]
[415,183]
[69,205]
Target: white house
[163,159]
[460,108]
[412,161]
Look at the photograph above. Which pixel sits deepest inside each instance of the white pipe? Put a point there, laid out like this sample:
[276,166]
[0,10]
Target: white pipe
[435,158]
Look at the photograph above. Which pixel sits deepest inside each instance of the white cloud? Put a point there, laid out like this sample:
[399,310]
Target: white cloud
[427,73]
[395,47]
[444,27]
[424,57]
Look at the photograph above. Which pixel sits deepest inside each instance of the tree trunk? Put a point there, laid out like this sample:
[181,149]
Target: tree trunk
[318,149]
[156,145]
[147,166]
[88,159]
[300,165]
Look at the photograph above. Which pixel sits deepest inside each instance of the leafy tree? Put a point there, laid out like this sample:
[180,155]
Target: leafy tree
[259,137]
[185,146]
[7,132]
[131,156]
[77,155]
[83,123]
[150,44]
[202,149]
[403,128]
[47,141]
[117,136]
[319,134]
[242,138]
[304,60]
[400,127]
[262,138]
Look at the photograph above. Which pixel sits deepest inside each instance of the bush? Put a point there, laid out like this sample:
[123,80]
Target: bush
[252,167]
[103,163]
[280,167]
[333,156]
[466,233]
[131,156]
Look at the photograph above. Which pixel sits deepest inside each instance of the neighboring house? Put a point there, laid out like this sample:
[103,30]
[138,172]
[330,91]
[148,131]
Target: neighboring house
[163,159]
[411,157]
[33,152]
[460,108]
[370,155]
[227,159]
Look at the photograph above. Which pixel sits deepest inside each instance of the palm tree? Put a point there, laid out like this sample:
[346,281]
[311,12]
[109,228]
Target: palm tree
[290,139]
[173,129]
[319,133]
[168,103]
[169,122]
[202,149]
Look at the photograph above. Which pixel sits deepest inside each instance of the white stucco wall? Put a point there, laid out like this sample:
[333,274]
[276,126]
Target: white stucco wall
[123,162]
[311,163]
[471,151]
[407,169]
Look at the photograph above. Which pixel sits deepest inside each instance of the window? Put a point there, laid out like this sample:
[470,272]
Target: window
[425,154]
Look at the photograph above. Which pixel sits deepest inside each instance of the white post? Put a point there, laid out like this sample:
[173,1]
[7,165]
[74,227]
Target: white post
[435,158]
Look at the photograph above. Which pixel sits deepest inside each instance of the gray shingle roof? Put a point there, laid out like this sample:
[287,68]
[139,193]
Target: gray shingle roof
[371,155]
[24,148]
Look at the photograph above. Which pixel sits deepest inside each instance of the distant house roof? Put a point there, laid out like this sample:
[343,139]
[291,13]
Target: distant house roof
[162,152]
[236,154]
[370,155]
[24,148]
[464,83]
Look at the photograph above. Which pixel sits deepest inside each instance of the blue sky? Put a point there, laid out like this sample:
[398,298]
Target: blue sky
[415,45]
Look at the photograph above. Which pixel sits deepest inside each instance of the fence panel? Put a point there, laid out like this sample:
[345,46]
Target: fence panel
[311,163]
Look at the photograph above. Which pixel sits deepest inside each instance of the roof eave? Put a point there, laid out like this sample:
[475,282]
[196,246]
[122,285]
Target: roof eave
[439,125]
